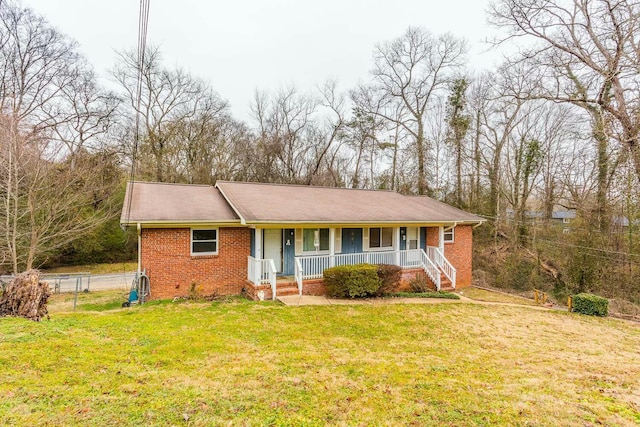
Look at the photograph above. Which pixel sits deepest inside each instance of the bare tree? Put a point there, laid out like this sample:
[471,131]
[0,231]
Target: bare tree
[45,202]
[588,53]
[169,99]
[410,71]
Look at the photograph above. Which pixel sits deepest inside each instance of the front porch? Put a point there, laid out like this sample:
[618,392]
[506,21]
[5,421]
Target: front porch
[263,274]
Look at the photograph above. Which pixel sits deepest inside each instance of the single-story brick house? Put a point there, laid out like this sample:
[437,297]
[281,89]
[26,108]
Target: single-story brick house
[271,239]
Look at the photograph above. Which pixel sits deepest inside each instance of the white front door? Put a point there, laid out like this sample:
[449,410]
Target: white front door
[273,246]
[412,237]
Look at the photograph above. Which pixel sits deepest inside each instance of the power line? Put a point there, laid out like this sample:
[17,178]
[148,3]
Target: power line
[143,22]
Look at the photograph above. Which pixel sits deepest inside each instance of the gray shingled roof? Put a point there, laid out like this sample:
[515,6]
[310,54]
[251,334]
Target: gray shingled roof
[264,203]
[276,203]
[174,203]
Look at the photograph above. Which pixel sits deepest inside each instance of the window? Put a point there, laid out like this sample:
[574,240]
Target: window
[566,220]
[448,235]
[204,242]
[565,231]
[381,237]
[315,239]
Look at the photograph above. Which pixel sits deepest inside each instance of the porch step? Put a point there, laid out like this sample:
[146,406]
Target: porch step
[284,289]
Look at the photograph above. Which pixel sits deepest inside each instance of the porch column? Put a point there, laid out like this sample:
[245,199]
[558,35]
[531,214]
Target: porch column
[332,246]
[397,245]
[441,238]
[258,243]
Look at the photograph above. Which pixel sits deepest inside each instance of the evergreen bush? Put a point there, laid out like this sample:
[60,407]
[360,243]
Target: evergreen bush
[352,281]
[590,304]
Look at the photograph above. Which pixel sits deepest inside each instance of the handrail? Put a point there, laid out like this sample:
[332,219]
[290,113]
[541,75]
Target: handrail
[272,278]
[431,269]
[299,272]
[261,271]
[441,261]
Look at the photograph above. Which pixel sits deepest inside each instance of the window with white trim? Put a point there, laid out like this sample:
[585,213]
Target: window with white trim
[566,220]
[381,237]
[447,235]
[204,241]
[315,239]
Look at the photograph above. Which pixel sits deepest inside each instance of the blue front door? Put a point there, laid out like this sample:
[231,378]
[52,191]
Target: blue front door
[288,251]
[351,240]
[403,238]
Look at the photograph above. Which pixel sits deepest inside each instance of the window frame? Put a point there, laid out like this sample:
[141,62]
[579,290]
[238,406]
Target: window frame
[380,248]
[448,231]
[216,240]
[320,250]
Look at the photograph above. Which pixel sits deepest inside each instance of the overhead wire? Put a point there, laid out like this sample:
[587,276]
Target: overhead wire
[143,23]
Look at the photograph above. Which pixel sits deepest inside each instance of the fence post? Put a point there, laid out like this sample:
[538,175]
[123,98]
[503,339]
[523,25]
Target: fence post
[75,298]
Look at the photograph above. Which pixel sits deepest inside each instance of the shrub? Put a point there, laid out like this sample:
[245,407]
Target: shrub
[360,280]
[590,304]
[389,276]
[420,283]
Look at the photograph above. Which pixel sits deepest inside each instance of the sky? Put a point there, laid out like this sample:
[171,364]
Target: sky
[239,46]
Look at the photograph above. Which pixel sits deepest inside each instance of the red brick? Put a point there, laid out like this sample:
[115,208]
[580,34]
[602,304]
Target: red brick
[166,255]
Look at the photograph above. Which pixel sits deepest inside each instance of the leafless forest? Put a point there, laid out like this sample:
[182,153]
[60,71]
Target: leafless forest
[555,128]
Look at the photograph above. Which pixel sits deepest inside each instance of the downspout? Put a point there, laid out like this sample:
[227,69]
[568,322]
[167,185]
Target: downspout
[139,249]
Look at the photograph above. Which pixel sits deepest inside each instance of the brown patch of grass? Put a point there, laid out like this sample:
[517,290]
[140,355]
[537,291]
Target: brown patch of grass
[480,294]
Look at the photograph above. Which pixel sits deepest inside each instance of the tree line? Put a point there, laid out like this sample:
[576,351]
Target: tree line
[554,126]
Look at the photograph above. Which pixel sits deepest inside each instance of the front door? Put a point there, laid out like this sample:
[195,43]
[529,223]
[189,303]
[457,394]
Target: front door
[351,240]
[289,246]
[273,246]
[412,237]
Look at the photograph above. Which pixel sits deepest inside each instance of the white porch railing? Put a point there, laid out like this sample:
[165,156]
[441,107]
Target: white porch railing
[438,257]
[312,267]
[298,274]
[262,271]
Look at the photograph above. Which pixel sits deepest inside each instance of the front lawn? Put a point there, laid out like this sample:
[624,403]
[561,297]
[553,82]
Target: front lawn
[248,363]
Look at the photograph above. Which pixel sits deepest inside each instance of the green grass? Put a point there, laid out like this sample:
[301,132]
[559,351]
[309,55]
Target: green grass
[437,294]
[480,294]
[244,363]
[128,267]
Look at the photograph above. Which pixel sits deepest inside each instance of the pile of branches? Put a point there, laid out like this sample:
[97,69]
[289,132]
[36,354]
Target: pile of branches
[25,296]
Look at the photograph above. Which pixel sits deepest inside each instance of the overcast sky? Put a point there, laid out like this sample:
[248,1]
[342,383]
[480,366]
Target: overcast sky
[241,45]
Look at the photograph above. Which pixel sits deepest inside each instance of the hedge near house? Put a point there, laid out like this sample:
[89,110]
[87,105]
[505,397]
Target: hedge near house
[590,304]
[352,281]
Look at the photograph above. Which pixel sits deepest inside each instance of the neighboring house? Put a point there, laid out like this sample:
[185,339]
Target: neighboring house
[565,218]
[268,239]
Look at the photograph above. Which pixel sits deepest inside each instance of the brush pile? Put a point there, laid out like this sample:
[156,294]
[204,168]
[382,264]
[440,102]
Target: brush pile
[25,296]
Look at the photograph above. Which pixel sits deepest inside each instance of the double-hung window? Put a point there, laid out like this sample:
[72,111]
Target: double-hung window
[204,241]
[448,235]
[380,237]
[315,239]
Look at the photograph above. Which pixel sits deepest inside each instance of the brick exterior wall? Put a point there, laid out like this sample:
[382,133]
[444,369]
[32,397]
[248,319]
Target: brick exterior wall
[433,236]
[166,255]
[459,254]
